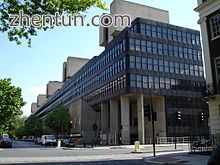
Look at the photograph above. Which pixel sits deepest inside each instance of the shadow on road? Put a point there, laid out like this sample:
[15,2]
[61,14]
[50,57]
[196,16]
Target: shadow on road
[107,162]
[26,144]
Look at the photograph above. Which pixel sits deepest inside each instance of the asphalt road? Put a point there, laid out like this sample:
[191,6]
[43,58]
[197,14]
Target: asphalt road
[28,153]
[112,162]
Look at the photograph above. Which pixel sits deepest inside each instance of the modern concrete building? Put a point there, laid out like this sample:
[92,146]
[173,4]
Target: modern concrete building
[52,87]
[33,107]
[71,66]
[209,20]
[134,10]
[41,99]
[150,63]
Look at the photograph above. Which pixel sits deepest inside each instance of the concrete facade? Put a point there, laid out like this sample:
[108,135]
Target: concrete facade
[205,9]
[140,118]
[125,120]
[114,116]
[214,107]
[52,87]
[208,10]
[134,10]
[41,100]
[72,65]
[84,118]
[33,107]
[104,117]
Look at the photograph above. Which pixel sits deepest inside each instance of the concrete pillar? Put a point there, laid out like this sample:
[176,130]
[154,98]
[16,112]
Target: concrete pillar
[104,117]
[206,50]
[160,124]
[114,122]
[114,125]
[140,115]
[125,120]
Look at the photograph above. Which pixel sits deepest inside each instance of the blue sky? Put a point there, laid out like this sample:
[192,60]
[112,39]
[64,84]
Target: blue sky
[32,68]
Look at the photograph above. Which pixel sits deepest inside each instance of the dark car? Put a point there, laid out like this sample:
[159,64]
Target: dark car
[66,143]
[5,142]
[37,140]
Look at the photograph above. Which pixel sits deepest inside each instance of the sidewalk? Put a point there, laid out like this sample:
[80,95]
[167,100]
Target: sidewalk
[178,159]
[141,146]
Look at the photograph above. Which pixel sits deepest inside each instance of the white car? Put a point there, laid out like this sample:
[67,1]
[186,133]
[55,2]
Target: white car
[48,140]
[4,135]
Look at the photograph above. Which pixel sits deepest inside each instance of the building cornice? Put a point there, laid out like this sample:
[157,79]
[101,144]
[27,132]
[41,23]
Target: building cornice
[206,8]
[203,5]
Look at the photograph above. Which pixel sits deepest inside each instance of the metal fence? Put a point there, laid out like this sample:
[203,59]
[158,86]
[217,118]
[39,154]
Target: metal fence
[168,140]
[201,144]
[196,143]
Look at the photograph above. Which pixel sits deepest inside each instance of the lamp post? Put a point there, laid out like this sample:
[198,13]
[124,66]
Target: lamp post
[153,119]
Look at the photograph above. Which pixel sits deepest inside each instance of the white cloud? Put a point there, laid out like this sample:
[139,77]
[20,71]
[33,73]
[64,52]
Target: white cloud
[37,90]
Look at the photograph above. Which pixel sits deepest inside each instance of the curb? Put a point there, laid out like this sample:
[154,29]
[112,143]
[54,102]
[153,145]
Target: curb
[175,162]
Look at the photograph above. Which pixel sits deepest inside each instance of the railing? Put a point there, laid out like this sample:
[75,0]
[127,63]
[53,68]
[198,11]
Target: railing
[196,143]
[204,144]
[168,140]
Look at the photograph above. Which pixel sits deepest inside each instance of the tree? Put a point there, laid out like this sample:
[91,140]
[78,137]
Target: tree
[17,128]
[33,126]
[31,7]
[11,102]
[58,120]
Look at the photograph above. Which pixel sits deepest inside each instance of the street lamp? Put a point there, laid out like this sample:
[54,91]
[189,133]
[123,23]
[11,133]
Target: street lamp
[153,117]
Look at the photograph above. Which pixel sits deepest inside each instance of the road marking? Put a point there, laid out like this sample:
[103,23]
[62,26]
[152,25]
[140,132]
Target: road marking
[1,149]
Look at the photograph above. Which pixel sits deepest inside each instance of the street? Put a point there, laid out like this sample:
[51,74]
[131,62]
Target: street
[29,153]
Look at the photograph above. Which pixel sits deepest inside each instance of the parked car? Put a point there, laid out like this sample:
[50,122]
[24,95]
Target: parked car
[48,140]
[30,138]
[5,142]
[5,135]
[67,143]
[24,138]
[37,140]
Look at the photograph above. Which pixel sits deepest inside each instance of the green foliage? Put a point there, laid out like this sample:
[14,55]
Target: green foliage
[17,126]
[11,102]
[23,126]
[31,7]
[58,120]
[33,126]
